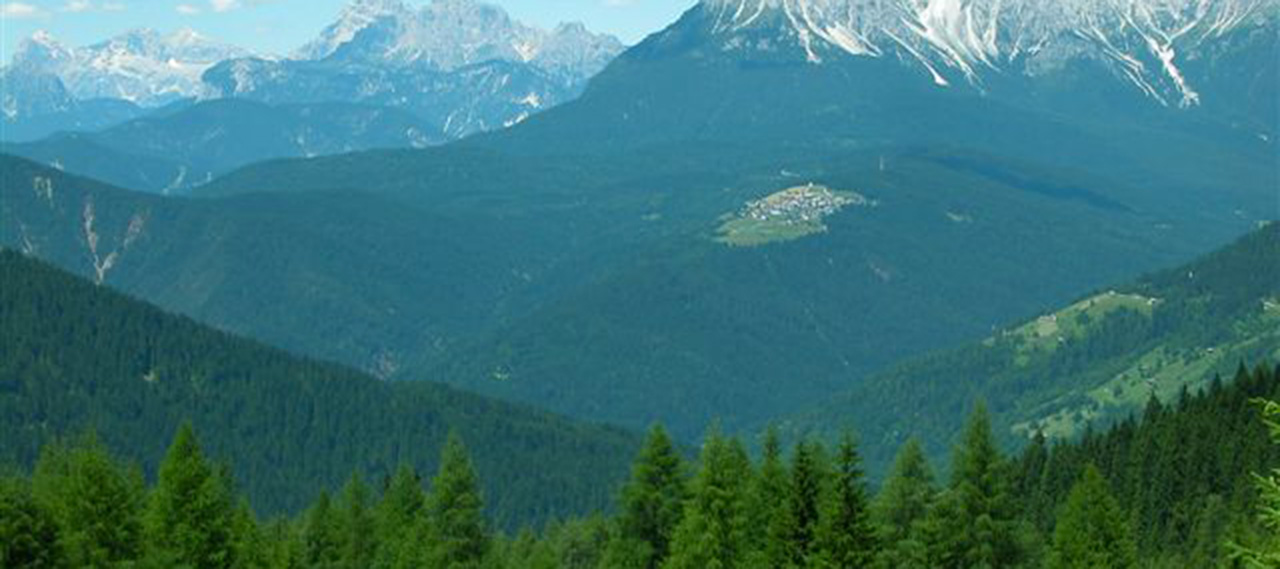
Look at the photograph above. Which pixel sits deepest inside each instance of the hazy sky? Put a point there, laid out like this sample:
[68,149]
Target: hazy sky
[279,26]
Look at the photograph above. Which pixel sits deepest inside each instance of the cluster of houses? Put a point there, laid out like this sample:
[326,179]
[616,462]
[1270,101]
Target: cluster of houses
[801,204]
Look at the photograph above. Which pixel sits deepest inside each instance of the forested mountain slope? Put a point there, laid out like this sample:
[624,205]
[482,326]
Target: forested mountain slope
[1090,363]
[604,259]
[77,356]
[962,207]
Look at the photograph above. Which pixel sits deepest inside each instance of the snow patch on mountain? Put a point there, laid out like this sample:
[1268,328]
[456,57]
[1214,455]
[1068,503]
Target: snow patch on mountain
[141,66]
[446,35]
[1147,42]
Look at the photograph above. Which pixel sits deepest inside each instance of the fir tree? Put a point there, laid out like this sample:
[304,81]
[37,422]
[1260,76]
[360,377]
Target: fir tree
[189,515]
[28,532]
[652,505]
[974,525]
[247,542]
[712,534]
[321,537]
[95,502]
[1266,553]
[902,508]
[459,537]
[357,525]
[767,505]
[1092,530]
[400,518]
[799,529]
[846,537]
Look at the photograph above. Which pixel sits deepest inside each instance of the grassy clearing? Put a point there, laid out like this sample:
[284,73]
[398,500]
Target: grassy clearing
[1046,333]
[787,215]
[1165,372]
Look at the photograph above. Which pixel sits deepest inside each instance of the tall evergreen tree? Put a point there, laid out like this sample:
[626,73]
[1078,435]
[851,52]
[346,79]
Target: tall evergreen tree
[459,536]
[712,534]
[846,537]
[322,535]
[1093,530]
[652,505]
[189,515]
[400,517]
[28,532]
[799,529]
[975,524]
[768,505]
[95,502]
[359,533]
[1266,553]
[902,508]
[247,542]
[284,547]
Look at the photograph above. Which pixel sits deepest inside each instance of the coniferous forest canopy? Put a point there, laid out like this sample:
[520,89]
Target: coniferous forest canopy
[75,357]
[1159,490]
[762,284]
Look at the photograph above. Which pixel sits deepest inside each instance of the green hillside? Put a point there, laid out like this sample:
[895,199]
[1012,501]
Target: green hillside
[580,262]
[75,356]
[1090,363]
[627,198]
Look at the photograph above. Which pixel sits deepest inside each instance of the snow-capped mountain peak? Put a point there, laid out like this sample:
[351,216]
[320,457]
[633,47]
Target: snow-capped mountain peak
[142,66]
[355,17]
[448,34]
[1146,41]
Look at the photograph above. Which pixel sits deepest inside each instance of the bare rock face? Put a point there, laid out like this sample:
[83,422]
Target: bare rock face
[464,65]
[1149,44]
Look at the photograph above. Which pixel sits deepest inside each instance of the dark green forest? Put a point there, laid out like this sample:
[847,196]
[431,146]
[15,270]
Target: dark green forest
[1185,485]
[74,356]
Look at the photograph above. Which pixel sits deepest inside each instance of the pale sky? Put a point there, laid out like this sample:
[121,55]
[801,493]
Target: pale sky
[279,26]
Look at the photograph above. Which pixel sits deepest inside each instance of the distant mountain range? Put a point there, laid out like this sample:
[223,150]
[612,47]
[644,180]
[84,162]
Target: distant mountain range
[464,66]
[142,67]
[459,65]
[1155,47]
[172,150]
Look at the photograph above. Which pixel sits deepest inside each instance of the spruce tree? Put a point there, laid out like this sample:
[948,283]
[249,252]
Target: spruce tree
[975,525]
[247,541]
[459,536]
[901,510]
[322,535]
[28,532]
[768,504]
[401,518]
[712,534]
[799,529]
[95,502]
[1265,554]
[652,505]
[284,546]
[189,514]
[846,537]
[357,525]
[1092,530]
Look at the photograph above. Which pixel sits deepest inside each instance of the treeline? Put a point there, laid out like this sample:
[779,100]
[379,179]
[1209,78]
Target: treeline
[1173,489]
